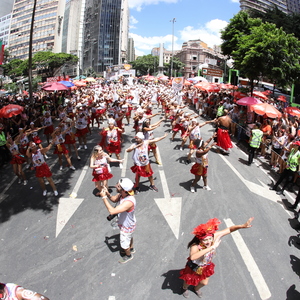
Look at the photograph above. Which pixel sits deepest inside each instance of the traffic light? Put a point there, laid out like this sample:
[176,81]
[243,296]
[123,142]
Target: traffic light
[234,79]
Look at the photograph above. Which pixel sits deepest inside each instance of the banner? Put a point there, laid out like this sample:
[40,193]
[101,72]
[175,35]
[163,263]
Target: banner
[177,83]
[58,78]
[1,53]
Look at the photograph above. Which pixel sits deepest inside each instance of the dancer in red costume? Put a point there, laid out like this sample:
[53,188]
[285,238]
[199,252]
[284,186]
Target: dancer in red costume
[199,266]
[223,137]
[41,168]
[101,170]
[111,139]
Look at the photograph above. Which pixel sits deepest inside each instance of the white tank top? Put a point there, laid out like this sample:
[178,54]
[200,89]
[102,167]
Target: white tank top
[127,220]
[38,158]
[140,155]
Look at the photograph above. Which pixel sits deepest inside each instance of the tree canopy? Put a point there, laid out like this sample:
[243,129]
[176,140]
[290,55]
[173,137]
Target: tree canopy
[262,50]
[44,62]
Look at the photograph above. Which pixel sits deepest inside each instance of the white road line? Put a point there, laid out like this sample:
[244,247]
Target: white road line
[79,181]
[123,173]
[249,261]
[164,184]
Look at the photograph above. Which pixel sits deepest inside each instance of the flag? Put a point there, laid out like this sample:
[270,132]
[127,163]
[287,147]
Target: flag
[177,83]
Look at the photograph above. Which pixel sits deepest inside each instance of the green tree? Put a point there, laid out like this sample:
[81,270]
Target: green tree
[240,25]
[16,68]
[145,64]
[269,52]
[48,62]
[177,66]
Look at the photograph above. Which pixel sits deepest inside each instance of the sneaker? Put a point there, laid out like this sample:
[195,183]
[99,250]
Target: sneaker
[85,147]
[188,161]
[20,180]
[79,148]
[120,165]
[137,190]
[25,182]
[46,156]
[181,149]
[125,259]
[72,168]
[78,157]
[27,166]
[185,293]
[199,294]
[207,188]
[132,250]
[55,193]
[45,193]
[153,188]
[60,168]
[192,189]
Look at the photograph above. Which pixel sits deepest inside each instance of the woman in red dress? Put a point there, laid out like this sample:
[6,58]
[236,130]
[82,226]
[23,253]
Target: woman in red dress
[199,266]
[41,168]
[101,170]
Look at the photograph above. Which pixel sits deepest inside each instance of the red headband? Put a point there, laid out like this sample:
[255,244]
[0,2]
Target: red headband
[207,229]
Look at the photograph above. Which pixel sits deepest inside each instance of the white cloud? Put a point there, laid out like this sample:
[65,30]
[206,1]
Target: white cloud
[235,1]
[132,21]
[144,45]
[210,33]
[138,4]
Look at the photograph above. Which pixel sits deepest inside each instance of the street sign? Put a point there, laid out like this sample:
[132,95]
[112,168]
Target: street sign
[212,72]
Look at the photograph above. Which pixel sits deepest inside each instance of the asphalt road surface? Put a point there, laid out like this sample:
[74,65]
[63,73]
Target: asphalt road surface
[65,248]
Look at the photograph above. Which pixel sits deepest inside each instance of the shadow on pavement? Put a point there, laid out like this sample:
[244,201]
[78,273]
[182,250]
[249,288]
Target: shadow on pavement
[172,282]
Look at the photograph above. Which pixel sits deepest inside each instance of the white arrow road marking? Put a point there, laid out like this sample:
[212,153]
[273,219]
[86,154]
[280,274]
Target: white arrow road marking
[169,207]
[261,190]
[68,206]
[249,261]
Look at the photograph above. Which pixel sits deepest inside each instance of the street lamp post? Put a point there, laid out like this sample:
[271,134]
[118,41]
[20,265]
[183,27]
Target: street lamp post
[173,21]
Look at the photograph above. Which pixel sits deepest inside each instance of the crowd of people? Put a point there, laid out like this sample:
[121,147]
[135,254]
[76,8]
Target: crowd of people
[63,121]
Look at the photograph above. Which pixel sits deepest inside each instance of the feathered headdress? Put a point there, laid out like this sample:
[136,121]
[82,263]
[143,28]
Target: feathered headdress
[207,229]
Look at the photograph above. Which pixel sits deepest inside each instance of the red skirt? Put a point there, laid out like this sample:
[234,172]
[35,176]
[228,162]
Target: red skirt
[81,132]
[23,149]
[198,169]
[144,171]
[60,149]
[151,146]
[37,140]
[43,171]
[177,127]
[114,147]
[70,139]
[223,139]
[18,159]
[49,129]
[101,111]
[192,278]
[103,176]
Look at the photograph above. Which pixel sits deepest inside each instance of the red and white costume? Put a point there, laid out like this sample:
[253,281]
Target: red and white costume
[41,168]
[111,140]
[81,126]
[102,170]
[60,147]
[17,157]
[141,161]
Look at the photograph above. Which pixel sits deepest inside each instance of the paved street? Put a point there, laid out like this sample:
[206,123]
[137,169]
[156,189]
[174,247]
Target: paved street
[65,248]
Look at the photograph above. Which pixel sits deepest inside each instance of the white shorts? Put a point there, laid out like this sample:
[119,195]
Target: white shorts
[125,238]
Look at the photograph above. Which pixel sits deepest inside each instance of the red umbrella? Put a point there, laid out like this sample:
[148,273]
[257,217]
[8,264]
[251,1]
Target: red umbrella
[79,83]
[266,109]
[293,111]
[260,95]
[248,101]
[54,86]
[10,110]
[238,95]
[281,98]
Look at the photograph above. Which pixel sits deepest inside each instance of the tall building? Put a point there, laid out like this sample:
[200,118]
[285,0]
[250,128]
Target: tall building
[167,54]
[263,5]
[47,31]
[130,50]
[293,6]
[105,34]
[4,29]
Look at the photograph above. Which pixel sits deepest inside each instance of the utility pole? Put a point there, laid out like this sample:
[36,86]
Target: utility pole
[30,52]
[173,21]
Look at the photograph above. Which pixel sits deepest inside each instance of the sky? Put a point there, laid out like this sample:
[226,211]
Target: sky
[151,22]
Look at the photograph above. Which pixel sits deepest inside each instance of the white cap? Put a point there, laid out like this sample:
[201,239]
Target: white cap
[140,135]
[127,185]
